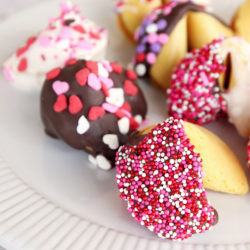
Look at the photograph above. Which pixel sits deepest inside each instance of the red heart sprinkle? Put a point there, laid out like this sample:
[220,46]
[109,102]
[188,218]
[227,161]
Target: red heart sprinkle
[92,66]
[140,57]
[131,74]
[94,36]
[79,28]
[119,113]
[126,106]
[117,68]
[130,88]
[53,73]
[61,103]
[82,76]
[71,61]
[133,123]
[30,41]
[96,112]
[75,104]
[105,89]
[23,64]
[21,51]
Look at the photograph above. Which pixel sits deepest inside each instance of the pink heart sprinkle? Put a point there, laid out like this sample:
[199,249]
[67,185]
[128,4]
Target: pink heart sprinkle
[84,45]
[64,7]
[66,33]
[60,87]
[126,113]
[8,74]
[107,81]
[109,107]
[106,66]
[44,41]
[167,10]
[94,82]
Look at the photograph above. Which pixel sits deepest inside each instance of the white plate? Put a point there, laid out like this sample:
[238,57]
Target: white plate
[52,198]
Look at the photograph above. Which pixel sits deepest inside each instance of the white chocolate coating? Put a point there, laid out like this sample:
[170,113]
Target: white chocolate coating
[238,97]
[53,46]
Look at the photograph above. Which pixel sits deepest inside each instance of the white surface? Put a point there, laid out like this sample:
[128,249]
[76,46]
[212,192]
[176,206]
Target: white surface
[64,176]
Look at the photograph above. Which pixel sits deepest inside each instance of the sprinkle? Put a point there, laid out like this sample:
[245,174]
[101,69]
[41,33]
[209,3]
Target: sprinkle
[61,103]
[151,58]
[22,66]
[194,95]
[111,140]
[83,125]
[130,88]
[79,28]
[75,104]
[82,76]
[44,41]
[109,107]
[155,193]
[131,74]
[95,112]
[60,87]
[94,82]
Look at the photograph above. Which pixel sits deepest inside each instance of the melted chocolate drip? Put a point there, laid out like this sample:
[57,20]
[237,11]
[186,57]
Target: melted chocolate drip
[63,125]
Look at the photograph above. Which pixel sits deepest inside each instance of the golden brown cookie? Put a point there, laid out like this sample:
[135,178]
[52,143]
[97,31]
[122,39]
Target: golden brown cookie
[223,170]
[166,35]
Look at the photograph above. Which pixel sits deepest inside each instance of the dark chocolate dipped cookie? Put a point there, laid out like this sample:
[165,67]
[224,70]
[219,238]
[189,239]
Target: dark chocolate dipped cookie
[167,33]
[92,106]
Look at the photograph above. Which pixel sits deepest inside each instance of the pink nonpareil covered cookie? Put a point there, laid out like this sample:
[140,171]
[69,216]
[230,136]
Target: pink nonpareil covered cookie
[69,36]
[160,176]
[194,94]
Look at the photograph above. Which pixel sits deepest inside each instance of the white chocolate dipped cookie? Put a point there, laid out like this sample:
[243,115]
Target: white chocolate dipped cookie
[68,36]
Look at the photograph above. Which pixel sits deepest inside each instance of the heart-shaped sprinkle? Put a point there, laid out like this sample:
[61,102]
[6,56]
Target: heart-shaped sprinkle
[116,96]
[117,68]
[131,74]
[92,66]
[60,87]
[30,40]
[102,71]
[109,107]
[96,112]
[82,76]
[83,125]
[66,33]
[22,66]
[84,45]
[75,104]
[119,113]
[94,82]
[106,65]
[44,41]
[133,123]
[107,81]
[94,35]
[126,106]
[61,103]
[79,28]
[130,88]
[123,125]
[21,51]
[138,119]
[105,89]
[103,163]
[92,159]
[71,61]
[111,140]
[126,113]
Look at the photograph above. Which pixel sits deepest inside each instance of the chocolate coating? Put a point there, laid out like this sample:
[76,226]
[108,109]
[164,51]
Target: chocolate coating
[176,14]
[63,124]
